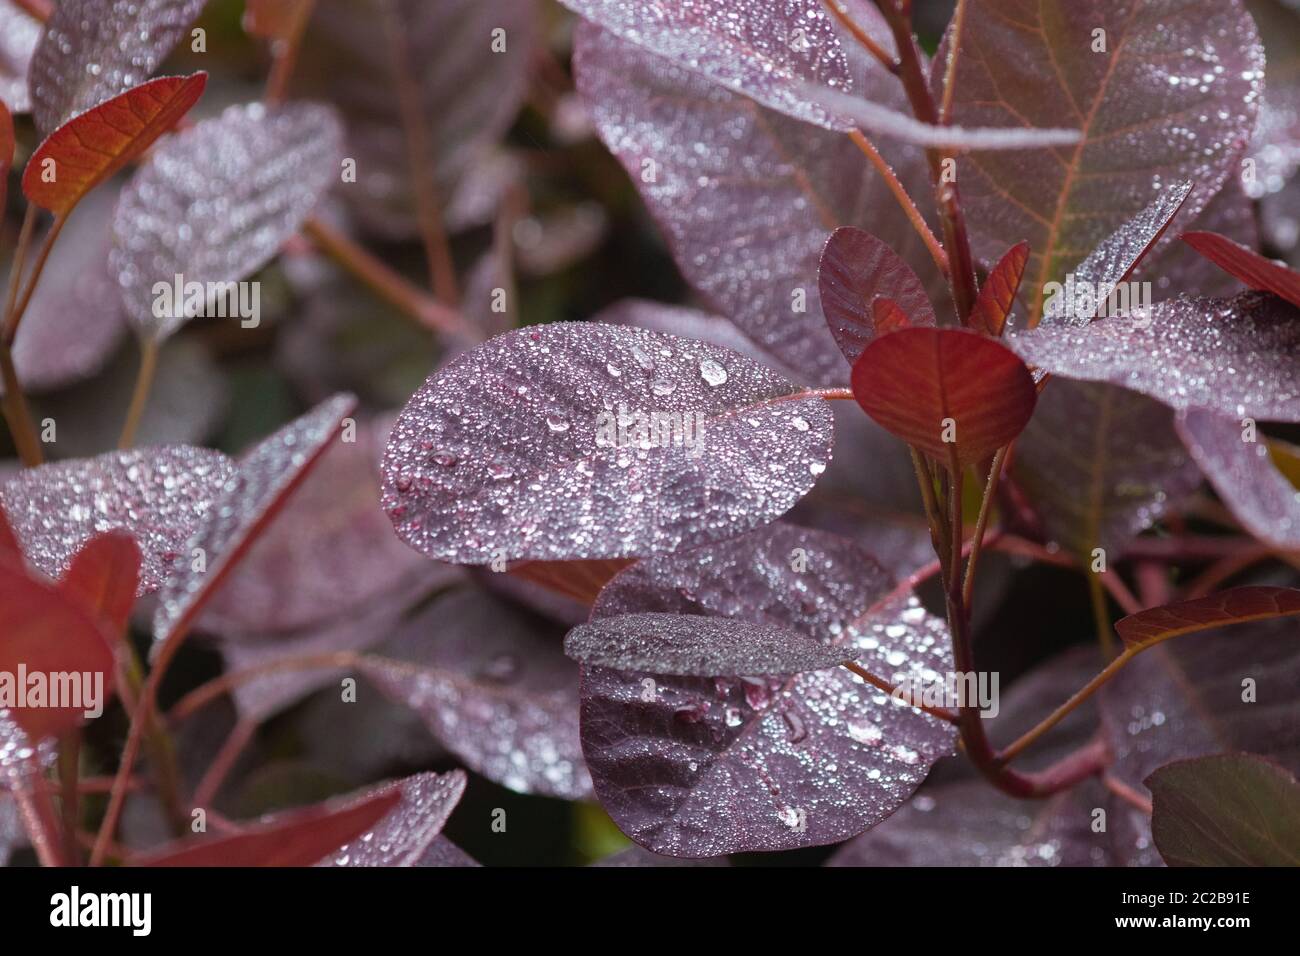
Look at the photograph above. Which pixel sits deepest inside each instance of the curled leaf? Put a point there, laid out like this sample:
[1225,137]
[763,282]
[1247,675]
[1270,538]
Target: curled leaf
[945,391]
[578,441]
[998,294]
[1247,265]
[92,146]
[1233,606]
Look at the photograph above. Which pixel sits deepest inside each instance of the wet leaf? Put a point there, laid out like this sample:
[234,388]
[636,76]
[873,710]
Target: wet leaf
[925,385]
[92,146]
[1173,98]
[1174,267]
[691,646]
[493,685]
[745,195]
[293,838]
[530,447]
[1227,810]
[267,474]
[1235,356]
[403,837]
[330,551]
[1114,260]
[19,33]
[1233,606]
[1261,497]
[1100,465]
[855,272]
[93,50]
[443,853]
[1249,266]
[782,55]
[215,203]
[1203,694]
[103,578]
[687,323]
[998,294]
[640,857]
[698,767]
[47,632]
[466,92]
[157,495]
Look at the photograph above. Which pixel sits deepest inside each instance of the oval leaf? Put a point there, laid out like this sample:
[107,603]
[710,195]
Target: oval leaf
[214,204]
[1247,265]
[1233,606]
[855,271]
[539,444]
[1226,810]
[711,766]
[1235,356]
[92,50]
[94,145]
[694,646]
[157,495]
[1241,471]
[266,476]
[998,294]
[925,385]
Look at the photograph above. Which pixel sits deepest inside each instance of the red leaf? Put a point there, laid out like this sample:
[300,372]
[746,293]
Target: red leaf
[92,146]
[886,316]
[103,577]
[47,634]
[913,381]
[1234,606]
[9,547]
[1246,264]
[296,838]
[580,580]
[999,292]
[855,270]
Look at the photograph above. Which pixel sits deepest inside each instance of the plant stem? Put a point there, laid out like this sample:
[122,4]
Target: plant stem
[69,795]
[16,412]
[205,694]
[285,53]
[37,813]
[981,522]
[941,712]
[40,10]
[19,260]
[1127,793]
[15,314]
[140,396]
[387,284]
[904,199]
[224,762]
[1100,611]
[950,68]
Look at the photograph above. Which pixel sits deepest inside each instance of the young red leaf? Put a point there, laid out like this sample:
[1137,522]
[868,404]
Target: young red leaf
[295,838]
[48,633]
[580,580]
[886,316]
[1232,809]
[92,146]
[103,578]
[855,270]
[1247,265]
[948,392]
[998,293]
[267,475]
[1234,606]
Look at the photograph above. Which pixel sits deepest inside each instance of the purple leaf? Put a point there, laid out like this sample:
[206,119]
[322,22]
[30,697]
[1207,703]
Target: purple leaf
[443,853]
[330,551]
[1228,689]
[19,33]
[1116,256]
[466,93]
[539,444]
[1236,356]
[1101,464]
[693,646]
[1275,147]
[1173,97]
[778,54]
[856,269]
[746,195]
[1241,471]
[1175,268]
[636,856]
[684,322]
[157,495]
[494,688]
[214,204]
[698,767]
[266,476]
[92,50]
[403,837]
[73,323]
